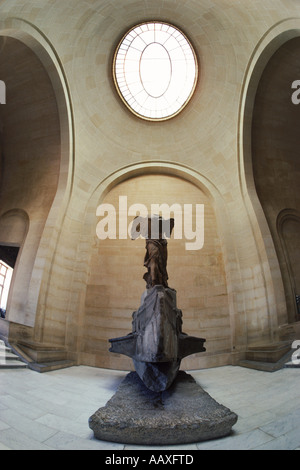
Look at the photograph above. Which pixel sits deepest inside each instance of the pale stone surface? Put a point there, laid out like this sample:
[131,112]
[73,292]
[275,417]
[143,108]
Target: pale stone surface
[73,142]
[183,414]
[246,391]
[197,276]
[275,134]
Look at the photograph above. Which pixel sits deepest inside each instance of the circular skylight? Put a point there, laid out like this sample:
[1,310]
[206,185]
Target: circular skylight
[155,70]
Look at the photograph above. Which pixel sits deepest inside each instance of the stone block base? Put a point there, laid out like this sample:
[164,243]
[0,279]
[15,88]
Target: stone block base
[183,414]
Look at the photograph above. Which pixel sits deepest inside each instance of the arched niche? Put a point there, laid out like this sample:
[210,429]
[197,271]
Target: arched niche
[14,226]
[114,271]
[275,154]
[259,120]
[36,155]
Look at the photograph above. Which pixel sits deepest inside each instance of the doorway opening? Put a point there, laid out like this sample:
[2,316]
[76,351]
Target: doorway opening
[8,258]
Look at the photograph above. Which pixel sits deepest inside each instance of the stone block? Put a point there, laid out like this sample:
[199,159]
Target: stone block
[183,414]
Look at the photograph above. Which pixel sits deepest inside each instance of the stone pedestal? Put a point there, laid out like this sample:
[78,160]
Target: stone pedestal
[184,413]
[158,404]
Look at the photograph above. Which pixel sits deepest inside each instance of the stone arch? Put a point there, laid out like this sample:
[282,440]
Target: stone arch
[92,297]
[48,231]
[271,42]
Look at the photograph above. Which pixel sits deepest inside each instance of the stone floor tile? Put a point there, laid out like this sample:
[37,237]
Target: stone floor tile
[19,406]
[16,440]
[30,427]
[62,424]
[283,425]
[65,441]
[3,447]
[4,426]
[288,441]
[244,441]
[172,449]
[253,421]
[58,404]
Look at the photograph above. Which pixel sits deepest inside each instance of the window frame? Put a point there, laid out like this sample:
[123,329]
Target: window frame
[195,80]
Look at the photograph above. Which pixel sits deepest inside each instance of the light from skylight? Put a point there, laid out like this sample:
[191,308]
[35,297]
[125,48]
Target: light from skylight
[155,70]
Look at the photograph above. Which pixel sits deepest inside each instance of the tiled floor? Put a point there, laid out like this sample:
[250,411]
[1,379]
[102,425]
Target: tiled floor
[51,411]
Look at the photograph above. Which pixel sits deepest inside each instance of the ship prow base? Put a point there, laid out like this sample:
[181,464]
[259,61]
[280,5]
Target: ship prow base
[157,344]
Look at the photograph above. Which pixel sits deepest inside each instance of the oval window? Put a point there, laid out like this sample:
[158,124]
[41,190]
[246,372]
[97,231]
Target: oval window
[155,70]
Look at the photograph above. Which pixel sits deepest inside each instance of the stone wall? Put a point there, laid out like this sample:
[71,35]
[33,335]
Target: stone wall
[115,283]
[232,290]
[275,141]
[30,164]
